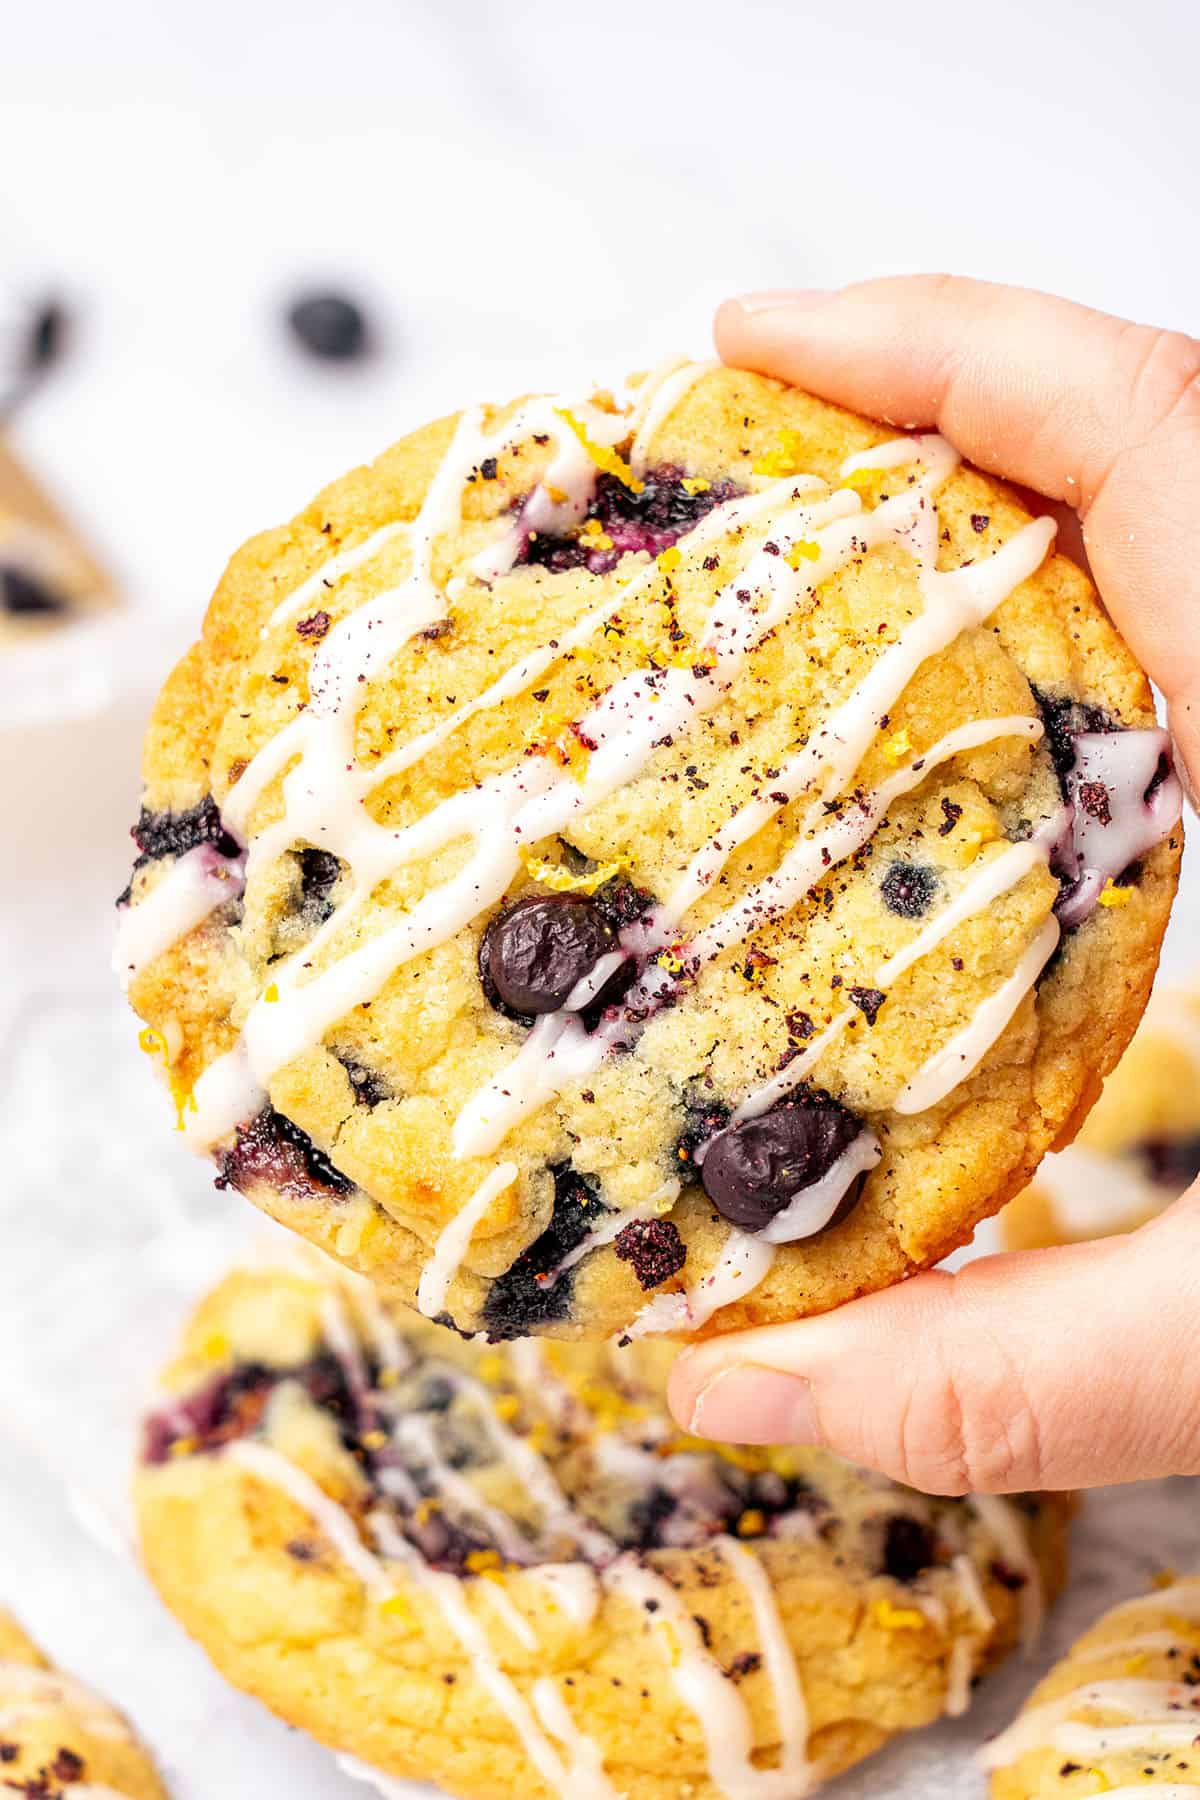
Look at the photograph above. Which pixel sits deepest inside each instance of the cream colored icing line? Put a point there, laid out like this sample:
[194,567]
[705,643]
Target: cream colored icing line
[195,885]
[666,394]
[455,1240]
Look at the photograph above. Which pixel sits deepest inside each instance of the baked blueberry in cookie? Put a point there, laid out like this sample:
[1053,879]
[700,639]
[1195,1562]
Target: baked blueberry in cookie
[1119,1715]
[690,853]
[507,1572]
[1140,1146]
[58,1739]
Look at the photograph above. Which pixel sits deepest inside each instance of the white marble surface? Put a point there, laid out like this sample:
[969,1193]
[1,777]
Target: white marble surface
[525,192]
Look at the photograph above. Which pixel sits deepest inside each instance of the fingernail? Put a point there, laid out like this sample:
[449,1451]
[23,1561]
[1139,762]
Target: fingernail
[749,1405]
[781,299]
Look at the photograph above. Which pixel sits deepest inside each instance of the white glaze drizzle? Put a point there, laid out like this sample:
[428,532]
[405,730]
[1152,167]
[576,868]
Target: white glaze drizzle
[573,1587]
[791,1711]
[706,1691]
[744,1262]
[321,583]
[585,1766]
[417,1436]
[34,1692]
[195,885]
[963,1053]
[279,1471]
[813,1206]
[960,1667]
[447,1592]
[667,388]
[1005,1524]
[1164,1711]
[454,1241]
[226,1095]
[1112,829]
[971,1592]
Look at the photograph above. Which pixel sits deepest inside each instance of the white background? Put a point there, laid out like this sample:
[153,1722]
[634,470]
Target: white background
[523,193]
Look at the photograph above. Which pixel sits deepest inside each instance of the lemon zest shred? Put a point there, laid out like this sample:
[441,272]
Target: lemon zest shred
[603,457]
[752,1523]
[479,1561]
[271,993]
[1112,895]
[785,457]
[561,881]
[897,747]
[695,484]
[803,550]
[670,559]
[898,1618]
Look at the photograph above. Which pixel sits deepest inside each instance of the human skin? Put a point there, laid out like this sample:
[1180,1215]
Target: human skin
[1049,1368]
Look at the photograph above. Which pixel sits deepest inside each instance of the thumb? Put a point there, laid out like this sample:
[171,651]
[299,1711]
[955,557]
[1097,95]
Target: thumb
[1047,1369]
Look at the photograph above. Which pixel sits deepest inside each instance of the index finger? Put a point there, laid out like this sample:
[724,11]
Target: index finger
[1085,408]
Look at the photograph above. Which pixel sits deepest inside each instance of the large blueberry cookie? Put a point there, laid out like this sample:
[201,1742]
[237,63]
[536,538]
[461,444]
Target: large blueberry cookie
[58,1739]
[1119,1715]
[668,861]
[1140,1147]
[47,575]
[505,1571]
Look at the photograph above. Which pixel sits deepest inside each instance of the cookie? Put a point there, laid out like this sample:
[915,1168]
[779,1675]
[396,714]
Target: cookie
[58,1739]
[507,1572]
[1140,1147]
[667,862]
[48,576]
[1119,1715]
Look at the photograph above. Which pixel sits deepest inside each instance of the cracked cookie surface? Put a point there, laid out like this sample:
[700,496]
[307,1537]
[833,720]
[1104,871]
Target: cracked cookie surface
[506,1571]
[686,809]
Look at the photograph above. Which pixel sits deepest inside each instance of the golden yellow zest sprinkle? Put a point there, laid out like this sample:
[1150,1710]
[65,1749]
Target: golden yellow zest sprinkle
[593,534]
[1112,895]
[670,962]
[802,551]
[601,455]
[898,1618]
[540,1436]
[670,560]
[695,484]
[152,1042]
[183,1446]
[396,1607]
[897,747]
[860,478]
[786,457]
[425,1511]
[271,993]
[506,1407]
[561,881]
[493,1367]
[215,1347]
[1136,1662]
[557,494]
[374,1440]
[479,1561]
[752,1523]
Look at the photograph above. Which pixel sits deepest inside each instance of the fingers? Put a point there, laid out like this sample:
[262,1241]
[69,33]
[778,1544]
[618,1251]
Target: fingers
[1084,408]
[1056,1368]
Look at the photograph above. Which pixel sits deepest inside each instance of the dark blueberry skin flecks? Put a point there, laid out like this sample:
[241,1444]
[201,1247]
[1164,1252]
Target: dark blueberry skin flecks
[232,1405]
[908,889]
[654,1250]
[26,595]
[518,1301]
[651,521]
[273,1150]
[319,873]
[369,1087]
[329,326]
[909,1548]
[752,1170]
[159,834]
[1065,720]
[536,950]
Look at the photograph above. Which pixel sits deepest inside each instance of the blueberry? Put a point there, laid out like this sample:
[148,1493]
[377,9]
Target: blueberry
[329,325]
[23,594]
[522,1298]
[536,950]
[1064,720]
[274,1150]
[651,520]
[172,833]
[908,889]
[1172,1163]
[319,873]
[752,1170]
[908,1548]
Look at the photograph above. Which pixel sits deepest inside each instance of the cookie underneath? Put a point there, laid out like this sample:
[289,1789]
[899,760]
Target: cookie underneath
[1140,1147]
[690,809]
[58,1738]
[505,1571]
[1119,1716]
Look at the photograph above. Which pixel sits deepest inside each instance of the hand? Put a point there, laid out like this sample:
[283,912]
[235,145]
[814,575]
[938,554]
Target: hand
[1053,1368]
